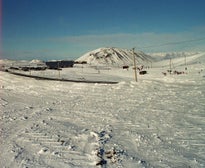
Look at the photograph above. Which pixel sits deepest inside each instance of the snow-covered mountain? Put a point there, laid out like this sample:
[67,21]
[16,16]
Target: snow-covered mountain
[115,57]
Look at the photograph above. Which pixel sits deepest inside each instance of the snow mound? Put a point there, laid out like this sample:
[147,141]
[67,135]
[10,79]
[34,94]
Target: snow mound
[114,56]
[36,61]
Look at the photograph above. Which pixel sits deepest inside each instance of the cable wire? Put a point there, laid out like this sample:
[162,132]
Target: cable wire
[173,43]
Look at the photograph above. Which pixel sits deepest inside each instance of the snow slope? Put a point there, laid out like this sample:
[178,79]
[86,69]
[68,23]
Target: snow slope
[114,56]
[198,58]
[172,55]
[158,121]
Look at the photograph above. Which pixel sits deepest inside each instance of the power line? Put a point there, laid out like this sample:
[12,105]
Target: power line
[173,43]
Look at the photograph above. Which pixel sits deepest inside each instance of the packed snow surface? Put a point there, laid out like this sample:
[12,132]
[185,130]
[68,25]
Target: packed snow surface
[158,121]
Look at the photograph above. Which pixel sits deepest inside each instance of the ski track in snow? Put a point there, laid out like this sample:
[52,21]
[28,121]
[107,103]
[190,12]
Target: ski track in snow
[157,122]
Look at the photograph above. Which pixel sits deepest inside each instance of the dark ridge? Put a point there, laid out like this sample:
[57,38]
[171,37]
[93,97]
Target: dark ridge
[61,79]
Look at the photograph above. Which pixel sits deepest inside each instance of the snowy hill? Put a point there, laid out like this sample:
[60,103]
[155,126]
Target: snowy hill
[115,57]
[168,55]
[181,60]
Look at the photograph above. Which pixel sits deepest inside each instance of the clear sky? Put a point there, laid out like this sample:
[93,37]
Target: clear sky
[66,29]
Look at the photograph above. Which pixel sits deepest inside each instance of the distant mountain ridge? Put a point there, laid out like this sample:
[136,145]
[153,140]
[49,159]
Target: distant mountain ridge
[115,57]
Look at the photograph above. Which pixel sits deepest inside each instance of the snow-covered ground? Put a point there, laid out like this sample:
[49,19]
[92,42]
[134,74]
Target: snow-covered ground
[158,121]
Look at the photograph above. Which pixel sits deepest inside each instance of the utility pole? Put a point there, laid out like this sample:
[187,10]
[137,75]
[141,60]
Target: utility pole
[58,70]
[134,68]
[185,63]
[29,69]
[170,66]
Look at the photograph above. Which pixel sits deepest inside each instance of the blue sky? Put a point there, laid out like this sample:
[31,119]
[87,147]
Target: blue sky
[66,29]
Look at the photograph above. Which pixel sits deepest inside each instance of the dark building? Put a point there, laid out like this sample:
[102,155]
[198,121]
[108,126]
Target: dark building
[59,64]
